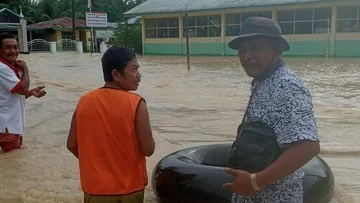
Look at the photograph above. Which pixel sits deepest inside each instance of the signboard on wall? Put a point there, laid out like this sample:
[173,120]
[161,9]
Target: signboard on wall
[96,19]
[104,33]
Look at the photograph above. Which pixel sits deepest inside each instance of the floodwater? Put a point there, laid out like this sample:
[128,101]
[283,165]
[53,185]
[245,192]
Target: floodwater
[193,107]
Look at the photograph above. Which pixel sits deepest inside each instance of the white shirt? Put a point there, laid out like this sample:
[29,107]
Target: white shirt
[12,105]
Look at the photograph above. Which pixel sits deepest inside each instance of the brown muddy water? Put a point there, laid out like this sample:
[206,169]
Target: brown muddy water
[188,108]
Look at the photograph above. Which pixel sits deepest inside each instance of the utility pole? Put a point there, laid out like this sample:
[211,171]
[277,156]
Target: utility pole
[187,42]
[73,19]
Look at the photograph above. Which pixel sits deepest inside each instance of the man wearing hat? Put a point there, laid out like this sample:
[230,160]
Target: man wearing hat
[280,101]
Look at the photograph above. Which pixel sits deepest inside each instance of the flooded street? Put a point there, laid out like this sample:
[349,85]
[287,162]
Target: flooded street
[187,108]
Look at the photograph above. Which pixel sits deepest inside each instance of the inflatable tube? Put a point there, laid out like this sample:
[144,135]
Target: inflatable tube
[196,175]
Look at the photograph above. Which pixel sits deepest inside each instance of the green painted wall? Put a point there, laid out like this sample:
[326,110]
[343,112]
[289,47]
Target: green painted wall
[308,48]
[180,49]
[162,49]
[345,48]
[204,48]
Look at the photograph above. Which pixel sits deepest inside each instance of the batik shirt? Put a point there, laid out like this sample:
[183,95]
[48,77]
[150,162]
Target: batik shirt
[280,100]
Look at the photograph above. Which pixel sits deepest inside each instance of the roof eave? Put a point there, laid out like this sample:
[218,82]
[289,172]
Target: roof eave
[128,13]
[187,11]
[11,12]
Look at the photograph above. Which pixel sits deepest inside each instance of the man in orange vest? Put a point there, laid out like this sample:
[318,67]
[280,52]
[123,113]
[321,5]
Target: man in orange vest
[111,135]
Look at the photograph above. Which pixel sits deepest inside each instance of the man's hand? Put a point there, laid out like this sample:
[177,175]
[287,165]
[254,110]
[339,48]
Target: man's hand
[241,184]
[22,64]
[37,92]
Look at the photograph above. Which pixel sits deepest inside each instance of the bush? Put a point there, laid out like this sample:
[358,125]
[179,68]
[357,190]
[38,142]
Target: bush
[128,36]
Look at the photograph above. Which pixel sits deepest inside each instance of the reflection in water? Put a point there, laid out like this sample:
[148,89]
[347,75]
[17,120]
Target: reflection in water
[187,107]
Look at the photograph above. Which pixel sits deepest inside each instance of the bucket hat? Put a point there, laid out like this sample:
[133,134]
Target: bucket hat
[259,26]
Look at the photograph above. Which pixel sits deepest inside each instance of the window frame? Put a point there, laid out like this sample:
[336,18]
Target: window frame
[156,28]
[314,21]
[194,28]
[238,25]
[357,20]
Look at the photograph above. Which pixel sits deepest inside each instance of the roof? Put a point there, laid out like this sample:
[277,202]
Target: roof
[8,16]
[134,20]
[59,23]
[171,6]
[6,9]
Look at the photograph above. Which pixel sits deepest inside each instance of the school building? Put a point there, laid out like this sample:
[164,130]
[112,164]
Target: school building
[328,28]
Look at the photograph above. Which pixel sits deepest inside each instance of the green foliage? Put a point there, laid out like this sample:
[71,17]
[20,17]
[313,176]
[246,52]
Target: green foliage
[29,8]
[128,36]
[41,10]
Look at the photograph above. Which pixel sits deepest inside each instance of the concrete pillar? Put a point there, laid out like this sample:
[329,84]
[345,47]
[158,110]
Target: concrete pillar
[223,31]
[23,43]
[88,40]
[143,32]
[182,37]
[77,35]
[79,47]
[274,15]
[53,47]
[332,37]
[181,27]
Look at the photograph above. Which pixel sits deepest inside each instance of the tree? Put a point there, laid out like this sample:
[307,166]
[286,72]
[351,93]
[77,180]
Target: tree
[41,10]
[128,36]
[125,35]
[29,8]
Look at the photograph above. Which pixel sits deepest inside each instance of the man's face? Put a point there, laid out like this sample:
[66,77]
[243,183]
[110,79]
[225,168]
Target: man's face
[130,79]
[9,50]
[256,54]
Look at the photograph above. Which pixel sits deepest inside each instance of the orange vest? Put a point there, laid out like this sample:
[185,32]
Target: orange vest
[110,158]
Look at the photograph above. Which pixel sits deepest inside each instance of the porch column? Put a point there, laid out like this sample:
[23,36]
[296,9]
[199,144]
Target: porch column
[274,15]
[332,38]
[23,43]
[223,34]
[143,34]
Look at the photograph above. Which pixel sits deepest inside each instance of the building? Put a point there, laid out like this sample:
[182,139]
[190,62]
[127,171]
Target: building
[312,27]
[60,29]
[16,25]
[8,21]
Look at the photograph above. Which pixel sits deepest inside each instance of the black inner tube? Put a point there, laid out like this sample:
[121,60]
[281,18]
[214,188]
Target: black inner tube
[196,175]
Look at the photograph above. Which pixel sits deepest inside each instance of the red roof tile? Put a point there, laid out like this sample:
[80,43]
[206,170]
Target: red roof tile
[64,22]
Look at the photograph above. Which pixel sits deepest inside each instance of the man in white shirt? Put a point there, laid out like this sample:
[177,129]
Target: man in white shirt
[14,89]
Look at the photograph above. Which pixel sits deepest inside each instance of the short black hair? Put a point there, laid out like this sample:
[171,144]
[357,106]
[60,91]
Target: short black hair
[5,35]
[116,58]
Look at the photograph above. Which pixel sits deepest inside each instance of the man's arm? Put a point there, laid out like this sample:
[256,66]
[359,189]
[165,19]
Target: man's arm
[10,81]
[72,137]
[25,79]
[293,158]
[36,92]
[143,129]
[296,133]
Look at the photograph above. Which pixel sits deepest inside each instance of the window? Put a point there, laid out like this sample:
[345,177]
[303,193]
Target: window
[203,26]
[348,19]
[234,21]
[305,21]
[322,20]
[162,28]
